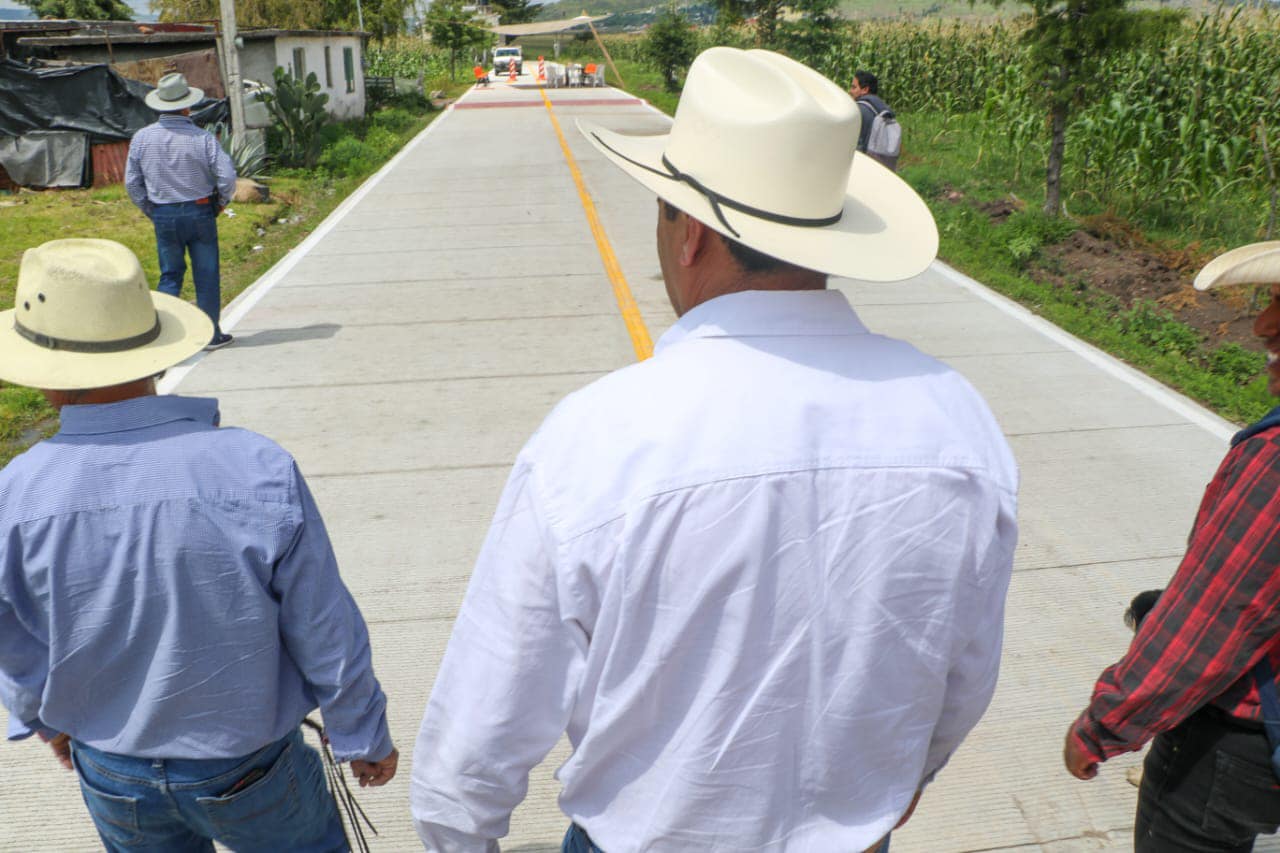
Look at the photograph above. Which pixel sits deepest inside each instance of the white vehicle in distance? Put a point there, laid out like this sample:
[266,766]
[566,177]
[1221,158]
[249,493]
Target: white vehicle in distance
[502,57]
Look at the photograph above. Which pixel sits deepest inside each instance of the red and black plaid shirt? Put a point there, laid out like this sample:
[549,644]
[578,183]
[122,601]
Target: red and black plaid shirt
[1219,614]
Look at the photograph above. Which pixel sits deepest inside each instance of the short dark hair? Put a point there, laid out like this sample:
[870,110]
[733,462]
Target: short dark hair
[867,80]
[751,260]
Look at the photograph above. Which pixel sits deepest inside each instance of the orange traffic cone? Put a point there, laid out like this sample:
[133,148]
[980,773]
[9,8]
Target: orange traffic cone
[511,77]
[542,70]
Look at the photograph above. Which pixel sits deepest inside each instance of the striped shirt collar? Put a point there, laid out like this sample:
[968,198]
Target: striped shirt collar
[138,413]
[176,119]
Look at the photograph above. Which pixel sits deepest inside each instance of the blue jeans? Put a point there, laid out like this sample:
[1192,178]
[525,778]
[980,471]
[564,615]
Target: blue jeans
[190,228]
[576,840]
[180,805]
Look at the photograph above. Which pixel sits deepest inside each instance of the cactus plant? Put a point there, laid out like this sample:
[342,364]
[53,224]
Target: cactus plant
[297,108]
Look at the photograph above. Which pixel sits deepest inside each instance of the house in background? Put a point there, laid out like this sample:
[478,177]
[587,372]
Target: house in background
[73,95]
[147,51]
[336,58]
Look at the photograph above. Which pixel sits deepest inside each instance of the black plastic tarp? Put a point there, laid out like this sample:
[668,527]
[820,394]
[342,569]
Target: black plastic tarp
[91,99]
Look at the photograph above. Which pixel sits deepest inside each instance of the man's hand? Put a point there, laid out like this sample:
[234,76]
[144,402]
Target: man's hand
[375,772]
[1078,763]
[61,746]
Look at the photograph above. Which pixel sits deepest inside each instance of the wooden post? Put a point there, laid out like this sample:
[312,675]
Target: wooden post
[608,58]
[231,71]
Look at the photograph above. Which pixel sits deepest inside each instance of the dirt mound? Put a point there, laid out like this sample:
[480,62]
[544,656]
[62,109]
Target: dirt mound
[1133,273]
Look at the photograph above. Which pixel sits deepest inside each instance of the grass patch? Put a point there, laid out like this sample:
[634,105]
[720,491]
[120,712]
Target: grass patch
[946,158]
[251,242]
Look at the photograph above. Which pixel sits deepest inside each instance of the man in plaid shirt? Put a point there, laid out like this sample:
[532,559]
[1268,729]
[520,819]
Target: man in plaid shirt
[1186,680]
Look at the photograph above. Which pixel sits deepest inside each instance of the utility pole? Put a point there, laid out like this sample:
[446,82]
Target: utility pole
[231,71]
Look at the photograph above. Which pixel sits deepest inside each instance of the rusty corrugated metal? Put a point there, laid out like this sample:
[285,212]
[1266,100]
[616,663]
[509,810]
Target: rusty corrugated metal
[108,162]
[200,67]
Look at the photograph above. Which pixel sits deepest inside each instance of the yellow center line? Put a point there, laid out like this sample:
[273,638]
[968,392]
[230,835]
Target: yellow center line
[626,302]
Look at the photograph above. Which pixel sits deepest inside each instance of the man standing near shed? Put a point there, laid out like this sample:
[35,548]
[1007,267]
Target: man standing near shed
[180,177]
[759,578]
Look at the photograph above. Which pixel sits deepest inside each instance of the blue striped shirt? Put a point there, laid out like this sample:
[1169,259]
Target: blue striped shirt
[168,590]
[173,161]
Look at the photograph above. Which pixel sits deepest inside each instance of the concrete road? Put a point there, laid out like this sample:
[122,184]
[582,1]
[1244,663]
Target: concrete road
[406,350]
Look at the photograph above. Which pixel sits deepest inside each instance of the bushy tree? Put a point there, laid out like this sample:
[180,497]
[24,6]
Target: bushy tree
[381,17]
[671,44]
[515,11]
[816,33]
[455,30]
[81,10]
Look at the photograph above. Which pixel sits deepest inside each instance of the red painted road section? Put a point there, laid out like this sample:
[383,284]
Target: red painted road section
[586,102]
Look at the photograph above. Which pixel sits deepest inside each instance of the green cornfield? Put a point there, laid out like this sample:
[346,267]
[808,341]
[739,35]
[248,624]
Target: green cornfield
[406,57]
[1182,129]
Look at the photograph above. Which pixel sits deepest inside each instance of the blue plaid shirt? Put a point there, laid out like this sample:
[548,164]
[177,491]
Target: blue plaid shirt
[174,161]
[168,590]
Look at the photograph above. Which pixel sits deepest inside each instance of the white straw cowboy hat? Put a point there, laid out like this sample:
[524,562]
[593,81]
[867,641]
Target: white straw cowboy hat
[762,151]
[172,94]
[1256,263]
[84,317]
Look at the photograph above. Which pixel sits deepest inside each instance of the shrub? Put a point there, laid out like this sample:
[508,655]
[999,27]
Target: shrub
[1159,330]
[1236,363]
[349,156]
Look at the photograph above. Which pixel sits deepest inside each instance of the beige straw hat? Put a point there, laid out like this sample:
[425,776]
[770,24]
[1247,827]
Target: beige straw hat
[172,94]
[1256,263]
[762,151]
[84,317]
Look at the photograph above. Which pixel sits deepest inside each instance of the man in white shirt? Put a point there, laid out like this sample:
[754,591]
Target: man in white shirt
[758,579]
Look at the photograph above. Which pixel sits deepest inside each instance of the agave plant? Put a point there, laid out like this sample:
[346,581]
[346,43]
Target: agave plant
[249,156]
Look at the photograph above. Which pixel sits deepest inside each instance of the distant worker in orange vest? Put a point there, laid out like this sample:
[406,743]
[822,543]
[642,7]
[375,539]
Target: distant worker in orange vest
[590,74]
[482,76]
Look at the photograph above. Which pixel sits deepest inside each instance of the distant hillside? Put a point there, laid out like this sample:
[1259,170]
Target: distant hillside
[624,14]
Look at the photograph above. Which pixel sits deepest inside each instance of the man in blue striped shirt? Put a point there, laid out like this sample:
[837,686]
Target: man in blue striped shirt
[170,604]
[181,179]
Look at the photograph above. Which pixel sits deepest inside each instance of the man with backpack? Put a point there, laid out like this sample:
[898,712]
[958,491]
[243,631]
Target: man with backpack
[881,135]
[1201,668]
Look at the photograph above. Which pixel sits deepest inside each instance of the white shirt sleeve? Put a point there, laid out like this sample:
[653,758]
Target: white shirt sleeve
[506,687]
[971,681]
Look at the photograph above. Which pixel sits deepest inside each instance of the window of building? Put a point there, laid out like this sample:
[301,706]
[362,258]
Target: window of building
[299,64]
[328,68]
[349,67]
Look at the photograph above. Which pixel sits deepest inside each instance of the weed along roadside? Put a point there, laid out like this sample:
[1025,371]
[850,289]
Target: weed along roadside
[251,241]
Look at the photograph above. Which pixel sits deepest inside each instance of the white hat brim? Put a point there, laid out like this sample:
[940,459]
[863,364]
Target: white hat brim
[885,233]
[184,331]
[193,97]
[1256,263]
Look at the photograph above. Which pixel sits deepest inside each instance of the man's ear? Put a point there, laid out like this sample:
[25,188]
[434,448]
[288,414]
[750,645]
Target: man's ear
[696,237]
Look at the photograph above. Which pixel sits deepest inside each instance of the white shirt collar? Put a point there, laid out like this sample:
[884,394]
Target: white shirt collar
[766,312]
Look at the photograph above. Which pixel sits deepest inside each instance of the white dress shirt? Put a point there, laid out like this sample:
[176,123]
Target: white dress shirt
[759,579]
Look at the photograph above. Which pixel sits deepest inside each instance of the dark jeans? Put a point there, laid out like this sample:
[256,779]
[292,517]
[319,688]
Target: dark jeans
[184,805]
[190,228]
[576,840]
[1207,785]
